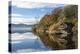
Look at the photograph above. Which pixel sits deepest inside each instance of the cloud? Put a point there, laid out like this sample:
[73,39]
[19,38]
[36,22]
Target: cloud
[16,42]
[26,4]
[19,37]
[16,20]
[21,19]
[13,14]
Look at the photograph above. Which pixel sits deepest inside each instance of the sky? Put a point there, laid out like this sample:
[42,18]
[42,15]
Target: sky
[24,12]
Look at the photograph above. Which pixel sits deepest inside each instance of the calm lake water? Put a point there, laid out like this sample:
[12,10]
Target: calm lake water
[23,40]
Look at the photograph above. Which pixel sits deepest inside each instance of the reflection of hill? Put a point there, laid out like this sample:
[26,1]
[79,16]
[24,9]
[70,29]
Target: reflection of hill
[58,30]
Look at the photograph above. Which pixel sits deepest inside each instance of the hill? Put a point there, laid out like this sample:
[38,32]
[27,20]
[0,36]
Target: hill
[58,30]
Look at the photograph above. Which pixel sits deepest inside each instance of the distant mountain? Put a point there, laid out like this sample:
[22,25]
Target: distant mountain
[19,28]
[19,25]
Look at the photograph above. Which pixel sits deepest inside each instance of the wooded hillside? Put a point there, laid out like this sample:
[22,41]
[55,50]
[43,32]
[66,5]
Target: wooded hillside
[59,29]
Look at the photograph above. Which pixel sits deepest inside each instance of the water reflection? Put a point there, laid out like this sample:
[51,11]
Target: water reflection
[23,40]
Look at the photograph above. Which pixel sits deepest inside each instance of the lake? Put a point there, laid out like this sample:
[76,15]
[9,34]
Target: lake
[23,40]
